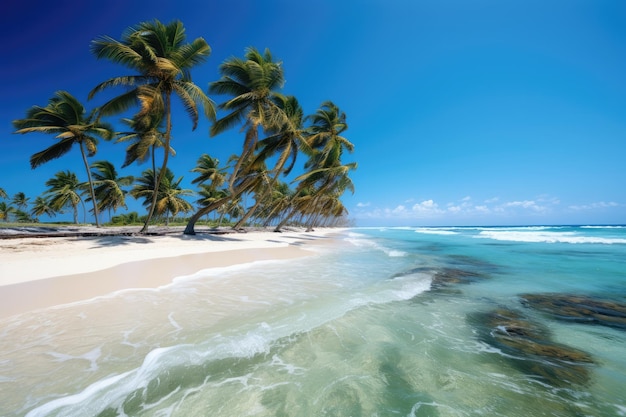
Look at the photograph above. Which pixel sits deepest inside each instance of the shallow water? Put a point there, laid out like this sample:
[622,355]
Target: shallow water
[360,328]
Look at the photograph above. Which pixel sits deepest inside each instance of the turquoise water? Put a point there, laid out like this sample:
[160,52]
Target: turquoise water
[362,328]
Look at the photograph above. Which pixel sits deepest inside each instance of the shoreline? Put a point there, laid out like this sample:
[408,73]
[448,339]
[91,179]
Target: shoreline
[42,272]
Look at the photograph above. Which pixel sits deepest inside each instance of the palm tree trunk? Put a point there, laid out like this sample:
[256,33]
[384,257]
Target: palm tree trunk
[91,191]
[166,150]
[189,229]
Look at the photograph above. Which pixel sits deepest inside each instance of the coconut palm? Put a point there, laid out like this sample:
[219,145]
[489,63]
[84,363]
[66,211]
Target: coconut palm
[65,116]
[208,170]
[169,198]
[253,83]
[108,186]
[6,210]
[145,137]
[162,59]
[327,125]
[63,191]
[41,206]
[285,140]
[3,194]
[21,201]
[327,177]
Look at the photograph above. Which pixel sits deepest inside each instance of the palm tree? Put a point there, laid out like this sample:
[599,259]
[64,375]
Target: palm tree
[65,116]
[145,137]
[108,186]
[63,192]
[6,210]
[285,141]
[169,198]
[42,206]
[162,59]
[327,125]
[20,200]
[3,194]
[208,169]
[252,82]
[326,177]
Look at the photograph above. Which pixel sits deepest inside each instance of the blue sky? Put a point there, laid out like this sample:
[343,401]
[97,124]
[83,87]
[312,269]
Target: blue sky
[461,112]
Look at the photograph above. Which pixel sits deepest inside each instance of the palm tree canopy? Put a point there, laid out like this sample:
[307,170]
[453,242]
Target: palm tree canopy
[159,54]
[42,206]
[169,196]
[3,194]
[327,125]
[208,169]
[252,82]
[63,190]
[66,117]
[108,186]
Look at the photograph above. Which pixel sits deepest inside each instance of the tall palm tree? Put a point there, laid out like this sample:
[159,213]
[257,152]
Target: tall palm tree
[159,54]
[3,194]
[63,191]
[285,140]
[42,206]
[6,210]
[21,201]
[253,83]
[65,116]
[169,197]
[327,177]
[108,186]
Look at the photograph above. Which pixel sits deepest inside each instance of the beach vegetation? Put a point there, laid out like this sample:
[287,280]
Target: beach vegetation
[108,186]
[64,191]
[41,206]
[6,210]
[163,61]
[260,186]
[66,117]
[3,194]
[169,197]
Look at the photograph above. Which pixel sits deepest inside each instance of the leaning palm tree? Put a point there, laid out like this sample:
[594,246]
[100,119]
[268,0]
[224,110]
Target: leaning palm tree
[163,62]
[253,83]
[41,206]
[65,116]
[64,191]
[21,201]
[327,176]
[284,141]
[169,197]
[108,186]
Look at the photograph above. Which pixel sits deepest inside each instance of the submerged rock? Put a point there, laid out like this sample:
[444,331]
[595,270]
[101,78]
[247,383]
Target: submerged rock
[579,309]
[529,347]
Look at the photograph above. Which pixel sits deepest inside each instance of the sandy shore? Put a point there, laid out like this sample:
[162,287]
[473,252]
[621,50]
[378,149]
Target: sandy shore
[46,271]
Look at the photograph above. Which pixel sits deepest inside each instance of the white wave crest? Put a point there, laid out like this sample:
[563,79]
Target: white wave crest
[435,231]
[360,241]
[546,237]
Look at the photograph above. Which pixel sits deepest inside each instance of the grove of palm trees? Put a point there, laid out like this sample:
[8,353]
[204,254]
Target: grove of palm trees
[264,184]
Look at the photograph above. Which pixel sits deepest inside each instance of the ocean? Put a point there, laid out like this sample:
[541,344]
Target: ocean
[454,321]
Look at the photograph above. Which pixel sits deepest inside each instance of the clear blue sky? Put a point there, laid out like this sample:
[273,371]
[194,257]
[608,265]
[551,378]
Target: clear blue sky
[462,112]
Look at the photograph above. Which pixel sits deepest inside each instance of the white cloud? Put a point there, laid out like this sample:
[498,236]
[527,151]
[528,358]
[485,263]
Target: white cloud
[465,209]
[595,206]
[363,204]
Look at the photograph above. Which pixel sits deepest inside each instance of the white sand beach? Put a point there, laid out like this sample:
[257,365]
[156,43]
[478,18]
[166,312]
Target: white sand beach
[37,272]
